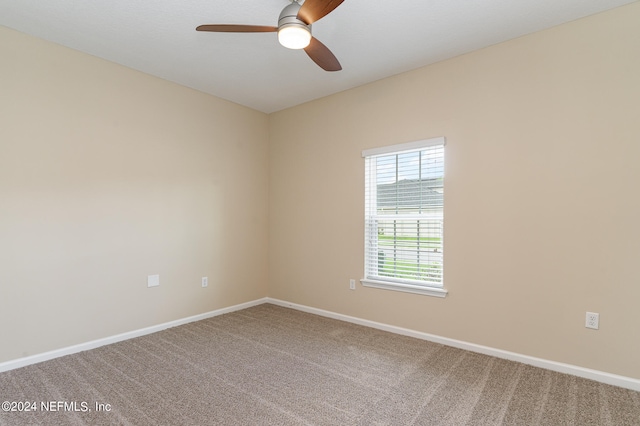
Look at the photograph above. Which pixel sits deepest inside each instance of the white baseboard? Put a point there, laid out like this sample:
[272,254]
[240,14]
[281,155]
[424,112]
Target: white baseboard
[599,376]
[34,359]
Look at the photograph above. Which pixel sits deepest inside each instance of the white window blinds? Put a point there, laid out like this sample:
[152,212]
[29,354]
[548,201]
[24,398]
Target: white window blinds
[404,190]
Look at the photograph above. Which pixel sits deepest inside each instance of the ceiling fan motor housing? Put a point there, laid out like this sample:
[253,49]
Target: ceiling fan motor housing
[289,17]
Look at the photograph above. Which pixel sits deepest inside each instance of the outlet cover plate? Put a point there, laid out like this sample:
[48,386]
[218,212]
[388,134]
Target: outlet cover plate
[592,320]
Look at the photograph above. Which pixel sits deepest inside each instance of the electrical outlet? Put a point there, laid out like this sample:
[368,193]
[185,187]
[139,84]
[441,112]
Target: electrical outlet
[592,320]
[205,281]
[153,280]
[352,284]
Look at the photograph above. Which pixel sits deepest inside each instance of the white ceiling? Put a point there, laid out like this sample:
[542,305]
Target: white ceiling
[372,39]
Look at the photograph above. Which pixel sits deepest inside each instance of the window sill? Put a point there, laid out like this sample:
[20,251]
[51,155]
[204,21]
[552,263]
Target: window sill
[407,288]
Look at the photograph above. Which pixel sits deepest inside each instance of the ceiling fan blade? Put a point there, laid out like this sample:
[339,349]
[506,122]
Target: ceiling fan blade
[224,28]
[313,10]
[321,55]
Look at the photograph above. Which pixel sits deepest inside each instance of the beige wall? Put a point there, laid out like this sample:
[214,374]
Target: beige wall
[542,206]
[108,175]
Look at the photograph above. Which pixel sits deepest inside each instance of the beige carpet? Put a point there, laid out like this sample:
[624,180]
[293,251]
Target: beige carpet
[269,365]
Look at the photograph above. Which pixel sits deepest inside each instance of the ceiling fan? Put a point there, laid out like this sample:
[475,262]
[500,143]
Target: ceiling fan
[294,30]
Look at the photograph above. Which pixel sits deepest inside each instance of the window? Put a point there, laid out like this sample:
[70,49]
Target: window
[404,192]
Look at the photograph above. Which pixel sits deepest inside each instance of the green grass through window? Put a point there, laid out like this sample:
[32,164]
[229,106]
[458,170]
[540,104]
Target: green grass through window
[431,272]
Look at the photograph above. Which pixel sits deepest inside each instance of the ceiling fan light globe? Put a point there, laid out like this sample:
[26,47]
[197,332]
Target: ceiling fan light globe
[294,36]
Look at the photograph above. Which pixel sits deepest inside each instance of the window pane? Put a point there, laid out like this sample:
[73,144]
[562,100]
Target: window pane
[410,249]
[404,216]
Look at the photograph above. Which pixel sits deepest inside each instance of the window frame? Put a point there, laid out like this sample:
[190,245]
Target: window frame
[398,284]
